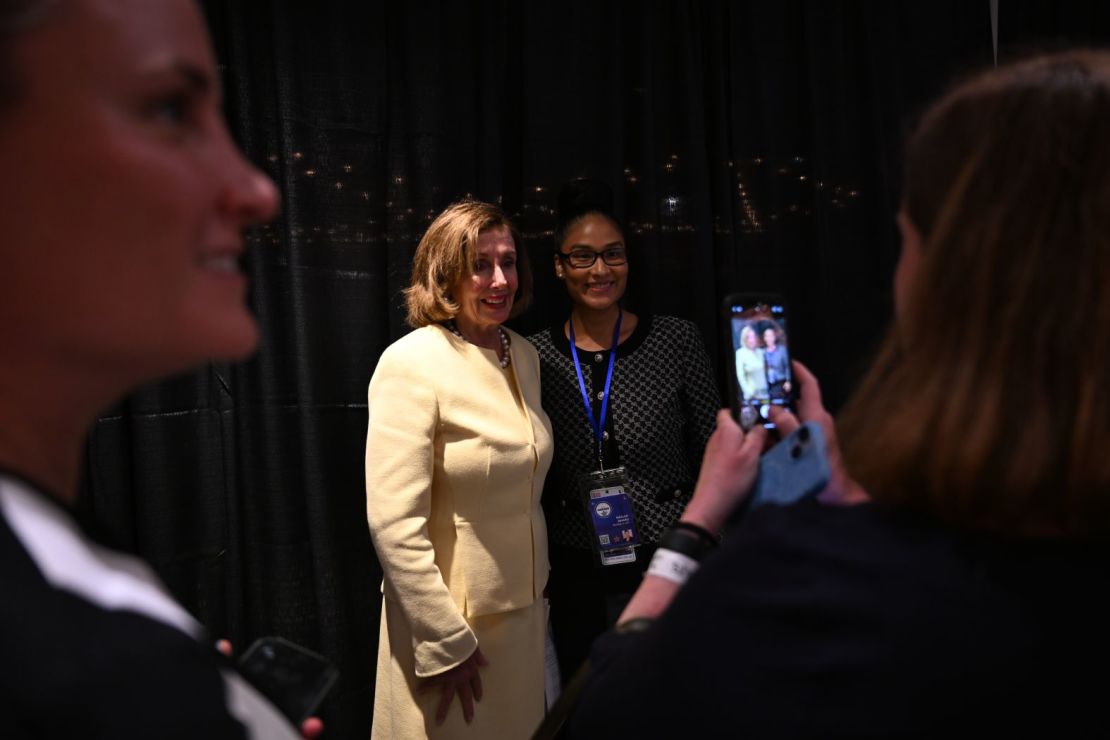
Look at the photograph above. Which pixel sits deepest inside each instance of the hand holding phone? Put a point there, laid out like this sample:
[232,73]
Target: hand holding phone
[760,374]
[293,678]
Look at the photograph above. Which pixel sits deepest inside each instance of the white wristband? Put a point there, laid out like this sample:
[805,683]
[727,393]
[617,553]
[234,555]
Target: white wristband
[674,566]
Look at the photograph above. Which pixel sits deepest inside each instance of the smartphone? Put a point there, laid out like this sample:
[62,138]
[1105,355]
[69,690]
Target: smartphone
[292,677]
[796,467]
[760,375]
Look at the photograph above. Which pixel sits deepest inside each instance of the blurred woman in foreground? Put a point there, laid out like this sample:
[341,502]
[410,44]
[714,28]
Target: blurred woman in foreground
[123,205]
[963,592]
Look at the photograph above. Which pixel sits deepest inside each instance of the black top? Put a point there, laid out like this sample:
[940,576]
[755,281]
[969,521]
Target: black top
[824,622]
[662,409]
[93,647]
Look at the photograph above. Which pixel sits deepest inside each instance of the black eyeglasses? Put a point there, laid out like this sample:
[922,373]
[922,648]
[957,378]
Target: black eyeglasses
[583,258]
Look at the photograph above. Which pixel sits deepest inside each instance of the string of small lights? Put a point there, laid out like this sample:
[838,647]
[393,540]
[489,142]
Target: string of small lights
[758,183]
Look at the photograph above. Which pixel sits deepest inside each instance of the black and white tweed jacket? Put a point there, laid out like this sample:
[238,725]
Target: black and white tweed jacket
[662,409]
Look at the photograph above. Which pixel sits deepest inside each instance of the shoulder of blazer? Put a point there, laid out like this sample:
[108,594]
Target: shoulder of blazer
[417,353]
[419,344]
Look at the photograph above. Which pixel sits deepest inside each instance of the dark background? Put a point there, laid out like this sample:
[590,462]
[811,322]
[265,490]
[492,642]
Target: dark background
[752,146]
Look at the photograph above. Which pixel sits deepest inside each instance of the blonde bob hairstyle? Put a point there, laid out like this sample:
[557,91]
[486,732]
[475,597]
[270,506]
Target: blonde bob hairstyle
[989,405]
[445,256]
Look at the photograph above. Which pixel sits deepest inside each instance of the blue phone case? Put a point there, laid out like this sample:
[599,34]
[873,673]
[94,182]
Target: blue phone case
[794,468]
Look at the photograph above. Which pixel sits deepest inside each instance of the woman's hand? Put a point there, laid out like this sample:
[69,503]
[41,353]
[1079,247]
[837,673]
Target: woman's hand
[841,488]
[728,472]
[312,728]
[463,680]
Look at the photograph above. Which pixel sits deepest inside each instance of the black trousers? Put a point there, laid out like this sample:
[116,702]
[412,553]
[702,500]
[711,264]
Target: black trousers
[587,598]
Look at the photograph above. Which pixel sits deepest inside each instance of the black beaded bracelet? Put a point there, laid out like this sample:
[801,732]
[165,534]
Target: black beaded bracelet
[708,537]
[636,624]
[676,539]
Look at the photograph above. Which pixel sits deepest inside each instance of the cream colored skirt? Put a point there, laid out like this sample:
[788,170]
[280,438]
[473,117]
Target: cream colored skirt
[512,704]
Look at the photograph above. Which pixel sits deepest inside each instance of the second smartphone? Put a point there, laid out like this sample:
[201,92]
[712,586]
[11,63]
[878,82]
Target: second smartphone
[294,678]
[760,375]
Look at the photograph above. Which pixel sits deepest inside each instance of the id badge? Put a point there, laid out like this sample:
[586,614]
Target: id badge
[609,509]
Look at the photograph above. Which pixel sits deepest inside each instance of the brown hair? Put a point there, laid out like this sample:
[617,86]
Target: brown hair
[446,254]
[989,405]
[578,199]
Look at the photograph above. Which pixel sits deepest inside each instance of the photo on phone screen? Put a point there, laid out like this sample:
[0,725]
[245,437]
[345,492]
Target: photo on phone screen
[761,375]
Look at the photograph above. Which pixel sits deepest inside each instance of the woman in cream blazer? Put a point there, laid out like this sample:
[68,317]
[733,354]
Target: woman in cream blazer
[456,454]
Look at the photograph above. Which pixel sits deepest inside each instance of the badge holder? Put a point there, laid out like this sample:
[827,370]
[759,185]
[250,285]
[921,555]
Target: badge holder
[605,493]
[610,512]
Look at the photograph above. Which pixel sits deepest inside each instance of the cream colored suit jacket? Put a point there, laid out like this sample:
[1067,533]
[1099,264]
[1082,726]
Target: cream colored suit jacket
[456,454]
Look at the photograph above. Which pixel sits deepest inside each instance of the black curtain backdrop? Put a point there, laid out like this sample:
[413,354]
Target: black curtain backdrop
[752,146]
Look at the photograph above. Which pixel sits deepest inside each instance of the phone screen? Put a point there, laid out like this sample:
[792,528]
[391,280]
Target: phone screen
[293,678]
[760,358]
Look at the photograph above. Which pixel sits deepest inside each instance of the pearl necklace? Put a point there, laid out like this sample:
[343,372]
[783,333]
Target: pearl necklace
[504,358]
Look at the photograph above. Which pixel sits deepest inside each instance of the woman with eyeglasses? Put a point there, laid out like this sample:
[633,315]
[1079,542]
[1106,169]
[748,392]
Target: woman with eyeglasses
[632,401]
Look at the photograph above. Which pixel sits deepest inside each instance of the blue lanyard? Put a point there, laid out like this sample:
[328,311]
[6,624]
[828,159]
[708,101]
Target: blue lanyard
[598,425]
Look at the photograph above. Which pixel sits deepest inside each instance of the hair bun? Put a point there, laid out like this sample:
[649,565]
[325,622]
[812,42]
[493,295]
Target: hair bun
[584,195]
